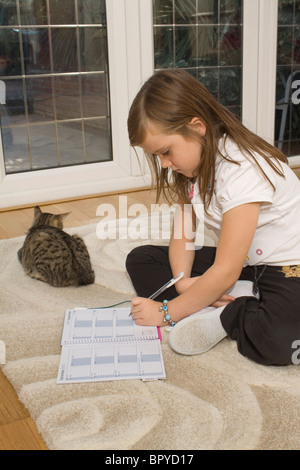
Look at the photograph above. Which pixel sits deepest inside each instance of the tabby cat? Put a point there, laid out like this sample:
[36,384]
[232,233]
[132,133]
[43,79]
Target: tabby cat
[51,255]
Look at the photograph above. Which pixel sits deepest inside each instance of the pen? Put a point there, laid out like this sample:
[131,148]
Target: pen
[165,287]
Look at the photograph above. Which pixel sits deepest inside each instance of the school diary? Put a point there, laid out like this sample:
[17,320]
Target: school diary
[106,344]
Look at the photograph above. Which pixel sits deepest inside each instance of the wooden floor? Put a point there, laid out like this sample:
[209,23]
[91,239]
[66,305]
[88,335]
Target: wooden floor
[17,430]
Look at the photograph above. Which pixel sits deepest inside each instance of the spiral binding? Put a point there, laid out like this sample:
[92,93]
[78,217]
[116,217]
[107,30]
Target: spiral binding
[134,339]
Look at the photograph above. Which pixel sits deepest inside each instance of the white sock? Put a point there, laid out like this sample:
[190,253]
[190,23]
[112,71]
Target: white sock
[242,289]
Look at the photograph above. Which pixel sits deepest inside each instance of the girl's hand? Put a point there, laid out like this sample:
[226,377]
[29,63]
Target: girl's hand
[224,300]
[146,312]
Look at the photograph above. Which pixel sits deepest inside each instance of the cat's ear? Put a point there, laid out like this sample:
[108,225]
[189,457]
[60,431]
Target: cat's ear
[36,213]
[57,220]
[63,216]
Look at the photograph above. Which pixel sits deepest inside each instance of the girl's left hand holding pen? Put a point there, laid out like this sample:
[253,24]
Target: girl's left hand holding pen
[146,312]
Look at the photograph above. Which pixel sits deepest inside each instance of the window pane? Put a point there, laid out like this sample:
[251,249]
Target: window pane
[287,121]
[163,12]
[96,138]
[43,146]
[14,111]
[91,12]
[231,12]
[70,139]
[54,92]
[205,38]
[207,46]
[36,51]
[39,99]
[94,96]
[16,148]
[185,12]
[10,60]
[64,47]
[163,47]
[93,49]
[62,12]
[33,14]
[67,97]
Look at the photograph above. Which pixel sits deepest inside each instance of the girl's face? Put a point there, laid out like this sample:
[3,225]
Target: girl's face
[175,151]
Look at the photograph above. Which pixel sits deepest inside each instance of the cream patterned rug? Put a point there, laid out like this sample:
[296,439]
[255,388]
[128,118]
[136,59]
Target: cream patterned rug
[219,400]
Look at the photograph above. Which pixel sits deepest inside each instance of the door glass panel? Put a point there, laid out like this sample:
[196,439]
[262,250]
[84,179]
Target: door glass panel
[287,123]
[54,92]
[205,38]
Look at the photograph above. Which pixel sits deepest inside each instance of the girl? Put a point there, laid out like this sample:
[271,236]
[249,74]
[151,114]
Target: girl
[200,154]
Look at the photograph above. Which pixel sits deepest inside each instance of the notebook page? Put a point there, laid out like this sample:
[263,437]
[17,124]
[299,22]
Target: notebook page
[111,361]
[101,325]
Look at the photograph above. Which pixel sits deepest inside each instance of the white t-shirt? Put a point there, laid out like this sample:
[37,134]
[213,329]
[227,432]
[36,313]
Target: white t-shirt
[277,237]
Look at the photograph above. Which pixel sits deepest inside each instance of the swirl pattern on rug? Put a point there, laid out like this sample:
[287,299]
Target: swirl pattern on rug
[218,400]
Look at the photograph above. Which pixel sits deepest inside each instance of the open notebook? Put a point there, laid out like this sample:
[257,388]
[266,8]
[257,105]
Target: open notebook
[106,344]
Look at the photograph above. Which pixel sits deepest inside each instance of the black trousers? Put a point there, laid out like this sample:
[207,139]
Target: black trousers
[265,330]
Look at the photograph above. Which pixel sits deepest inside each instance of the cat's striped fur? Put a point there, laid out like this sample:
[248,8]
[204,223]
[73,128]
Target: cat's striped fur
[51,255]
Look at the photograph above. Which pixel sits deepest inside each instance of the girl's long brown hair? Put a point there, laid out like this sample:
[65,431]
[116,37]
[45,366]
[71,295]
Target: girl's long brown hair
[170,99]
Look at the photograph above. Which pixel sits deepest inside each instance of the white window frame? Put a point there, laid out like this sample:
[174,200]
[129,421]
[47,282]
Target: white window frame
[259,66]
[130,39]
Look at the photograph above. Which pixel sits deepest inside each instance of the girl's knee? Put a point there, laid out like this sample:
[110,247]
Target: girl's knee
[131,259]
[136,257]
